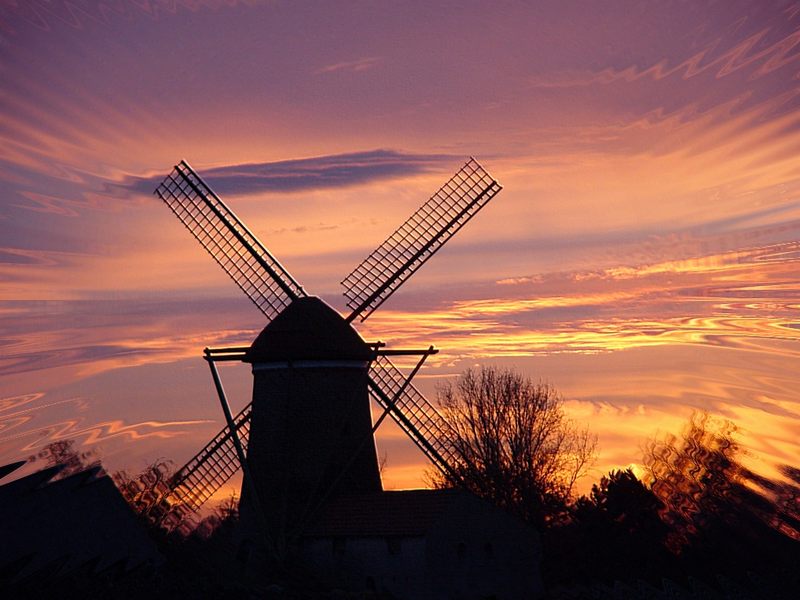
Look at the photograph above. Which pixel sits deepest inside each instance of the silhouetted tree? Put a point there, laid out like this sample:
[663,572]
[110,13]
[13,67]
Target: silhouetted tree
[722,517]
[513,443]
[224,516]
[693,475]
[787,502]
[63,452]
[148,493]
[622,499]
[613,532]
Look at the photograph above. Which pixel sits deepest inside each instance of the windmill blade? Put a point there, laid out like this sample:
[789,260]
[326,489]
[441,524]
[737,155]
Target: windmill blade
[412,412]
[208,470]
[265,281]
[419,238]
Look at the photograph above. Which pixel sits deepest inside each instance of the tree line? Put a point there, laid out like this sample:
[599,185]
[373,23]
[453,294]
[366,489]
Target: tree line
[697,514]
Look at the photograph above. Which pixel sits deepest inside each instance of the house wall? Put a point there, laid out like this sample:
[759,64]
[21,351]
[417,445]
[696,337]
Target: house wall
[476,551]
[387,564]
[473,552]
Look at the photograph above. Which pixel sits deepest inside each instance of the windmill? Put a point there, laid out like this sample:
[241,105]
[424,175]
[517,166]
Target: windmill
[303,442]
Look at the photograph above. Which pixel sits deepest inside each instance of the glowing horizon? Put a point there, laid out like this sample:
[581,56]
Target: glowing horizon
[642,257]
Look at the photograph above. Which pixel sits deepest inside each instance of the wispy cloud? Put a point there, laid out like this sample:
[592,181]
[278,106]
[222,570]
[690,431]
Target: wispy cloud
[760,51]
[47,14]
[362,64]
[743,299]
[97,336]
[320,172]
[100,432]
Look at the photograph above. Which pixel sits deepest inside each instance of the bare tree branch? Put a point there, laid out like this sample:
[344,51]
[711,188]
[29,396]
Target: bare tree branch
[514,444]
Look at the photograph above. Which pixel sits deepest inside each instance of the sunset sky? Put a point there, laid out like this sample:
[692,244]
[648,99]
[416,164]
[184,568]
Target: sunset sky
[643,257]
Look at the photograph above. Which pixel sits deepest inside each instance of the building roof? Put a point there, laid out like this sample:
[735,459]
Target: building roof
[53,527]
[407,513]
[308,329]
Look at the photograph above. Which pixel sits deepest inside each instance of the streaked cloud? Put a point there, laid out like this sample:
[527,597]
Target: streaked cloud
[97,433]
[361,64]
[46,14]
[78,333]
[643,255]
[761,53]
[316,173]
[742,299]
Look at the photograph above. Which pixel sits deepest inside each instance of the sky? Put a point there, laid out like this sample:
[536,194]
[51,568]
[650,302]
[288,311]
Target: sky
[643,256]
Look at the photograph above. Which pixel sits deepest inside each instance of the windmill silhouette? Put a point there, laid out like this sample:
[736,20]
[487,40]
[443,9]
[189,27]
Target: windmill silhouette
[309,427]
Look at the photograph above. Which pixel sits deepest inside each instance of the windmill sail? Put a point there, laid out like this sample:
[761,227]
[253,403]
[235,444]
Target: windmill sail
[412,412]
[203,475]
[416,240]
[228,241]
[272,289]
[208,470]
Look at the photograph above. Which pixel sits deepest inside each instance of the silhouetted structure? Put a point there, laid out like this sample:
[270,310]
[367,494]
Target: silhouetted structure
[309,430]
[272,289]
[81,523]
[422,544]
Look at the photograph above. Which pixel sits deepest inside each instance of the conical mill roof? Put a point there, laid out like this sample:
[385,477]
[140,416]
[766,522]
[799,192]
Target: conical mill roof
[308,329]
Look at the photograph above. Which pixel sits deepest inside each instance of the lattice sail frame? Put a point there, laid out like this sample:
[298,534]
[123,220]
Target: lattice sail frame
[271,288]
[412,412]
[205,473]
[208,470]
[240,254]
[419,238]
